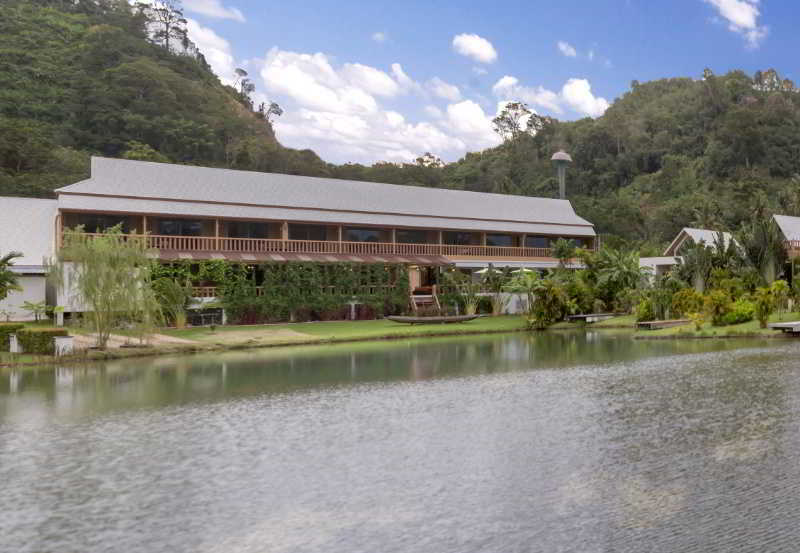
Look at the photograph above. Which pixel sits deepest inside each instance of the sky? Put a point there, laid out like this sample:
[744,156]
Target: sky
[388,81]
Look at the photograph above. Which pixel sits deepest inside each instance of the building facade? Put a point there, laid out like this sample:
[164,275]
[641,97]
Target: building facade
[195,213]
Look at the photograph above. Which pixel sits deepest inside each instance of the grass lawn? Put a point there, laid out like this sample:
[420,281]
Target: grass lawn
[341,330]
[623,321]
[750,328]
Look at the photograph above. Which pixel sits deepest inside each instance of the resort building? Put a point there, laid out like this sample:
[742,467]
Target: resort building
[661,265]
[790,229]
[196,213]
[27,227]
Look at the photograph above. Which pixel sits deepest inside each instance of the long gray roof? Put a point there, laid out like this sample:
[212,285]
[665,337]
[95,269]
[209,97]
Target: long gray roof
[354,201]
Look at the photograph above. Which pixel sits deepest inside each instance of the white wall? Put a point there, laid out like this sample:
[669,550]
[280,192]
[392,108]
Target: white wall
[33,290]
[27,225]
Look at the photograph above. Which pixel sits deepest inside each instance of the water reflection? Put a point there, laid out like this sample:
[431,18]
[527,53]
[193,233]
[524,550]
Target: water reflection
[543,442]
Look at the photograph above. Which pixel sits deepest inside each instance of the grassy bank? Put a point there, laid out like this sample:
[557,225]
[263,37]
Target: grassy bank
[203,339]
[748,329]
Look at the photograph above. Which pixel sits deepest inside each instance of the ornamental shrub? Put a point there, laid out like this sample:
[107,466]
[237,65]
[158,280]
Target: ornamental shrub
[40,340]
[686,301]
[764,302]
[645,311]
[741,311]
[5,330]
[717,305]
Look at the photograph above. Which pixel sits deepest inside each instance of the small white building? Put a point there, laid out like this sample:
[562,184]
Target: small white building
[27,226]
[661,265]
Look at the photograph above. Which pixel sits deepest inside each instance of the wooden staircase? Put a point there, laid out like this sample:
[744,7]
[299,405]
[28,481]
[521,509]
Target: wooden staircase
[425,300]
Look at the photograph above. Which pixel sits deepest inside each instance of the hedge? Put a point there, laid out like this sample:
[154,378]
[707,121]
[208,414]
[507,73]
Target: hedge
[5,330]
[40,340]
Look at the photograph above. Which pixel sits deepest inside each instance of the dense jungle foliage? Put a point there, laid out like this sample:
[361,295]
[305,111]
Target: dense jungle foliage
[84,77]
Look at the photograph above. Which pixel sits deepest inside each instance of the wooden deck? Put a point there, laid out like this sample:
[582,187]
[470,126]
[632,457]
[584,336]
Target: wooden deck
[591,317]
[792,327]
[655,325]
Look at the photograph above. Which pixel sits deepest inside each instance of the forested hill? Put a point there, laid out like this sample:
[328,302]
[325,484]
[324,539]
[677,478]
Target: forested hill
[84,77]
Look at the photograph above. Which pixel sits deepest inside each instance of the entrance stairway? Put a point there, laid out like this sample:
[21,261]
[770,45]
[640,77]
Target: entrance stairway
[420,299]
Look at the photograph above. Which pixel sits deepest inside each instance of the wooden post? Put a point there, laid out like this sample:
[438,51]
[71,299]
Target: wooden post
[216,234]
[59,231]
[483,239]
[523,238]
[440,243]
[394,235]
[339,245]
[285,230]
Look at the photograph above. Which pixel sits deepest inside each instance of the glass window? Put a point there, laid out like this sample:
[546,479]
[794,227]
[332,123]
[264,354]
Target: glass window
[94,223]
[459,238]
[180,227]
[363,235]
[411,236]
[247,229]
[307,232]
[505,240]
[537,242]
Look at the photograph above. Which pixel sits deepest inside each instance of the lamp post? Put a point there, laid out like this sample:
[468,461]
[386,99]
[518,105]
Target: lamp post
[560,159]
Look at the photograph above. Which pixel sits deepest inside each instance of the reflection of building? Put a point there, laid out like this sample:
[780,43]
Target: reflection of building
[196,213]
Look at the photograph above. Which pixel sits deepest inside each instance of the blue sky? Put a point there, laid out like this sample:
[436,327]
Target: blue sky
[371,81]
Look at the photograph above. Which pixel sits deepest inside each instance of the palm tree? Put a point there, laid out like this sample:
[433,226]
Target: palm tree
[696,264]
[8,279]
[620,270]
[762,244]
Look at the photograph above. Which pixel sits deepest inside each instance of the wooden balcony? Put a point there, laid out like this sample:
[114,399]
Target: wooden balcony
[792,248]
[213,291]
[212,244]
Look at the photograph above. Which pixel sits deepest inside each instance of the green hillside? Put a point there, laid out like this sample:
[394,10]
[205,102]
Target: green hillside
[82,78]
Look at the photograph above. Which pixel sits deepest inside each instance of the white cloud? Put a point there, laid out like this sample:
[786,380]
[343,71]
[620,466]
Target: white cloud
[215,49]
[370,79]
[338,111]
[742,17]
[213,8]
[479,70]
[434,112]
[567,49]
[379,36]
[590,55]
[509,88]
[468,120]
[475,47]
[444,90]
[576,94]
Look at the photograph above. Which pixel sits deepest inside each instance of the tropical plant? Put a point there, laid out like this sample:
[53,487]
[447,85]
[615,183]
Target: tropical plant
[619,270]
[8,279]
[764,301]
[109,275]
[696,262]
[741,311]
[466,288]
[762,243]
[494,280]
[563,250]
[546,298]
[717,305]
[36,308]
[686,301]
[174,298]
[780,291]
[697,319]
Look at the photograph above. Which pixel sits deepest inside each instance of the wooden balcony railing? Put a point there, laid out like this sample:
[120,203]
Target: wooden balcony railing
[213,291]
[265,245]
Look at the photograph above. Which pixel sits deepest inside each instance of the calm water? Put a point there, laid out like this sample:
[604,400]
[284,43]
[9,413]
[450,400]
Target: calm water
[557,442]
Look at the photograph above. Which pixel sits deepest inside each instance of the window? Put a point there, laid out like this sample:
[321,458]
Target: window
[505,240]
[247,229]
[94,223]
[180,227]
[307,232]
[363,235]
[537,242]
[459,238]
[411,236]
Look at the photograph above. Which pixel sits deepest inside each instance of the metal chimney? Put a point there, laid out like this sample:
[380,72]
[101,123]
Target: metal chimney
[561,159]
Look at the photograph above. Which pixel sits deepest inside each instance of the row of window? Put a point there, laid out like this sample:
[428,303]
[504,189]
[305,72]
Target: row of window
[252,229]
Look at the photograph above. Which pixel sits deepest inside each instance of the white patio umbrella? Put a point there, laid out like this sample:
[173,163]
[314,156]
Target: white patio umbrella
[521,270]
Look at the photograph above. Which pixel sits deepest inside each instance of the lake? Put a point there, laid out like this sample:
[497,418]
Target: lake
[552,442]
